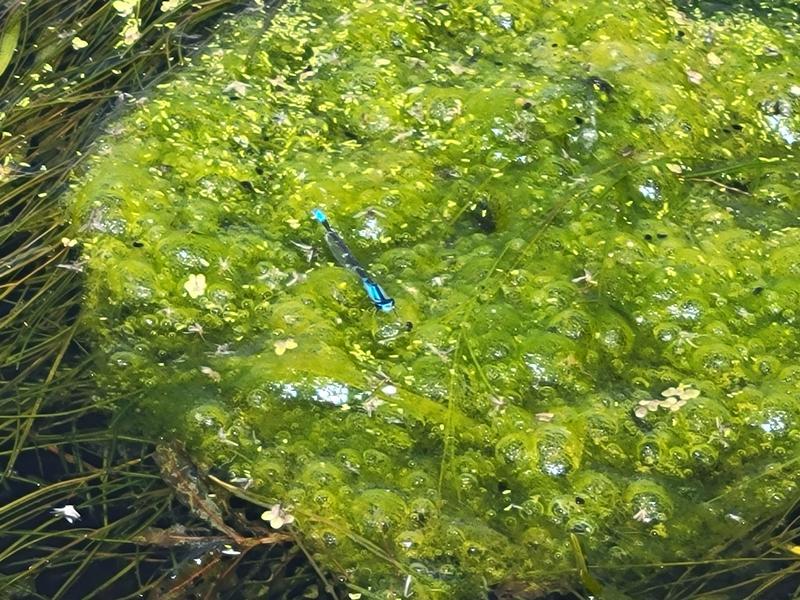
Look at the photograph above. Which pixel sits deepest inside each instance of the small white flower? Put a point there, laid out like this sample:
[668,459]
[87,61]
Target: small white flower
[130,32]
[277,517]
[674,399]
[677,406]
[195,286]
[67,511]
[389,390]
[683,391]
[281,346]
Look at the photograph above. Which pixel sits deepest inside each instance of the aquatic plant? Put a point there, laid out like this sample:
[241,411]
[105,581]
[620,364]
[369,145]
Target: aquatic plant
[52,404]
[483,156]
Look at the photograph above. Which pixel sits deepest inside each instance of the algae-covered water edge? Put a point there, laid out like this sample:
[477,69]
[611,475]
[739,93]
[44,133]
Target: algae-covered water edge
[587,217]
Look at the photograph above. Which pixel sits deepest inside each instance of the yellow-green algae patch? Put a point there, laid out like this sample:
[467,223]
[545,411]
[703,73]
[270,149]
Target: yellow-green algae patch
[588,217]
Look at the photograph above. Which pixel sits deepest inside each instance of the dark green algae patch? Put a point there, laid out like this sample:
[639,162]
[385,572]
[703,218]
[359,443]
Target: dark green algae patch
[588,216]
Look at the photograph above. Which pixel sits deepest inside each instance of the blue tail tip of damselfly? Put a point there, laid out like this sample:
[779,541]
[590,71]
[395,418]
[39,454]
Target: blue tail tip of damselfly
[378,296]
[386,305]
[319,215]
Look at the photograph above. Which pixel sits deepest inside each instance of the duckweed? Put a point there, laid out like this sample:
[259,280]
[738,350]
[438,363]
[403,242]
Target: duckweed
[576,209]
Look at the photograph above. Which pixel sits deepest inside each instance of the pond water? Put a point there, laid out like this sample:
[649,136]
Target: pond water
[588,220]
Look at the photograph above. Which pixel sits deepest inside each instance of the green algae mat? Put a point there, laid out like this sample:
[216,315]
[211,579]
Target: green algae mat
[588,218]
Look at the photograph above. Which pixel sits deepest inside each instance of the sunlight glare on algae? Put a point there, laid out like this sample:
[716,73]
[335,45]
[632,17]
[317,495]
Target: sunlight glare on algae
[588,220]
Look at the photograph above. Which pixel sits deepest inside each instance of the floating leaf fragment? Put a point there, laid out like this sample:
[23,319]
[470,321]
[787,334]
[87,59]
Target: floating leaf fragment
[79,43]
